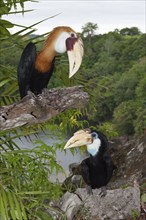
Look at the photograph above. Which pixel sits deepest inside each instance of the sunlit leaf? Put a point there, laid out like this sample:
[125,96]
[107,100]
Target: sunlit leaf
[2,83]
[4,10]
[6,24]
[12,205]
[4,32]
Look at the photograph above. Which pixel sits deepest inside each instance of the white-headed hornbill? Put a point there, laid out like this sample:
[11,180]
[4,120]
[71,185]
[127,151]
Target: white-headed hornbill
[97,169]
[35,69]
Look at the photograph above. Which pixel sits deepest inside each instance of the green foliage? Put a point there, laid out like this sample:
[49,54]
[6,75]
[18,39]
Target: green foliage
[89,29]
[3,27]
[70,121]
[130,31]
[140,121]
[143,198]
[109,130]
[130,83]
[134,214]
[11,205]
[124,115]
[29,169]
[24,178]
[140,90]
[5,9]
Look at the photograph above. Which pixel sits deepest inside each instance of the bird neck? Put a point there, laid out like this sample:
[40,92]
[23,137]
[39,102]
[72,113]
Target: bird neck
[44,58]
[93,148]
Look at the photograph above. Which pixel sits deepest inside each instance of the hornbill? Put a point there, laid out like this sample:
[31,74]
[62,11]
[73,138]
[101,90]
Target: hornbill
[97,169]
[35,69]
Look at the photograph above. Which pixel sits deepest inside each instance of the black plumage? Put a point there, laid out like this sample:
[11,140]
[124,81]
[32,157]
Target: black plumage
[29,78]
[97,170]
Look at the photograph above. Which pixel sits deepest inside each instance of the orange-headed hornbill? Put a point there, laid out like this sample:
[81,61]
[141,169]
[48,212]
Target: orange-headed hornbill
[97,169]
[35,69]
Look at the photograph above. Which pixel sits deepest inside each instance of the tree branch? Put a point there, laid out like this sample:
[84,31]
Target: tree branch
[37,109]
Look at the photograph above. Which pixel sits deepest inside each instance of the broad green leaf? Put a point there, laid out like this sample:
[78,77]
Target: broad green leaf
[18,208]
[23,210]
[12,205]
[4,31]
[4,10]
[2,209]
[5,203]
[42,215]
[6,24]
[2,83]
[11,89]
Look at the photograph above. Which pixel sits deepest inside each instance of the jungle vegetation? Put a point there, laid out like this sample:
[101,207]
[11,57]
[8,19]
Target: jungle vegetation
[113,72]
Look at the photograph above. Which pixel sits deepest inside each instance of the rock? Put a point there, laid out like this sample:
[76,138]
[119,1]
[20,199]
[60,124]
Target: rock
[117,204]
[70,204]
[77,179]
[141,147]
[130,159]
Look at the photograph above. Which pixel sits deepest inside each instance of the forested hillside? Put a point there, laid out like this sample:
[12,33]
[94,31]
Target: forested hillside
[113,73]
[115,69]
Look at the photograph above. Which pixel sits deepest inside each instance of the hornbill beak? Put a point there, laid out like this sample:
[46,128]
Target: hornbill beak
[80,138]
[75,53]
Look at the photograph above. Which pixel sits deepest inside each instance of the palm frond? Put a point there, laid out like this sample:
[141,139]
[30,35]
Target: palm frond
[11,206]
[31,26]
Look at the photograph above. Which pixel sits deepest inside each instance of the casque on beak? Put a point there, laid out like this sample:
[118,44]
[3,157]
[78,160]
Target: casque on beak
[80,138]
[75,53]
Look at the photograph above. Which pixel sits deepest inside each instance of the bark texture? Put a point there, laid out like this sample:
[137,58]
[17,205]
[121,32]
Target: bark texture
[37,109]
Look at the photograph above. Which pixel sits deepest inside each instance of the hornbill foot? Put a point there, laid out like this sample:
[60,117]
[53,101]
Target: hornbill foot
[103,191]
[89,190]
[45,91]
[31,94]
[28,96]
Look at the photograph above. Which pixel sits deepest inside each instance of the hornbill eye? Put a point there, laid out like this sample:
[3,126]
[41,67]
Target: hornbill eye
[94,135]
[73,35]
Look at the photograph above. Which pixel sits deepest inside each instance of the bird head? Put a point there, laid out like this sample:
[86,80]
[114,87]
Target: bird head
[85,137]
[80,138]
[65,39]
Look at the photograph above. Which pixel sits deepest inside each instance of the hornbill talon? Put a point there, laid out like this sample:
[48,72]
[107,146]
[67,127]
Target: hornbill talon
[31,94]
[89,190]
[103,192]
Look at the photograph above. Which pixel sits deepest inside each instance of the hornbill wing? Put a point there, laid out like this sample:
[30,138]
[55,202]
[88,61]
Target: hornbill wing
[25,67]
[109,165]
[85,171]
[106,156]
